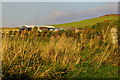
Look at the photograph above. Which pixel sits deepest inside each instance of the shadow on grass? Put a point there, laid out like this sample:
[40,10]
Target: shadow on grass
[22,76]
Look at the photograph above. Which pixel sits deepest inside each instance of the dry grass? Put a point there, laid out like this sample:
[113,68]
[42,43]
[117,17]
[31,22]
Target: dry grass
[7,29]
[57,57]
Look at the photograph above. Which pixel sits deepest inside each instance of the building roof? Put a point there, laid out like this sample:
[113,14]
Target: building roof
[31,25]
[38,26]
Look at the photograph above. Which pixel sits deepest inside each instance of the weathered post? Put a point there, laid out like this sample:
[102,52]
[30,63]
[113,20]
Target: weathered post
[114,36]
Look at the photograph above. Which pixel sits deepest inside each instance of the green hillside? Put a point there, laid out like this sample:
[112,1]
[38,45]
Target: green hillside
[88,22]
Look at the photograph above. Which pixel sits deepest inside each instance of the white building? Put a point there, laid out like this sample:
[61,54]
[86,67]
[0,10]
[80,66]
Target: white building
[40,27]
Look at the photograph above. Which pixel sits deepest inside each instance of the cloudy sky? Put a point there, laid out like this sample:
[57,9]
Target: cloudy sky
[45,13]
[59,0]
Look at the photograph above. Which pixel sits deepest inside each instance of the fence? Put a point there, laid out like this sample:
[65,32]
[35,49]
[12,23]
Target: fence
[114,36]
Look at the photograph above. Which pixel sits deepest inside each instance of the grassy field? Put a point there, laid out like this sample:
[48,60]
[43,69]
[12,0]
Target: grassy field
[88,22]
[30,55]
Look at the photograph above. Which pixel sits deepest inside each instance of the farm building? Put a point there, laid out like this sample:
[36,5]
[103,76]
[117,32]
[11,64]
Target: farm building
[39,27]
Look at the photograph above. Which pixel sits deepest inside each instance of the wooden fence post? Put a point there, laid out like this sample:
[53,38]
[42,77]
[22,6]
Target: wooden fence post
[114,36]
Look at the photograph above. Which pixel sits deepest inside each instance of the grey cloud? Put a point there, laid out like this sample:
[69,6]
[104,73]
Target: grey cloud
[58,17]
[60,0]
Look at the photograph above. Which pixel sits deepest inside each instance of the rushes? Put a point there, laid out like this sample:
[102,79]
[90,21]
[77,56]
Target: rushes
[55,57]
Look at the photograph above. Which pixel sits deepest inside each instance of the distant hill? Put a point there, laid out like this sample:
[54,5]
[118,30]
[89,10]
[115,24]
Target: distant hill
[88,22]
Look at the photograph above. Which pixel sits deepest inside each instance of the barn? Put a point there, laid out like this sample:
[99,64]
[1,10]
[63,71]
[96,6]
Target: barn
[39,27]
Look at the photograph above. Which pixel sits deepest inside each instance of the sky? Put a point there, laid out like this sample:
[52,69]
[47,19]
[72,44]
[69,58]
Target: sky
[0,14]
[60,0]
[47,13]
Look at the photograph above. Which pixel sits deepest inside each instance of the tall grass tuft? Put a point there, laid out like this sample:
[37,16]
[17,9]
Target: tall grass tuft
[32,57]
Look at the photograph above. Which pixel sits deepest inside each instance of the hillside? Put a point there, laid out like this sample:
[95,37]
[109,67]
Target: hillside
[91,53]
[88,22]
